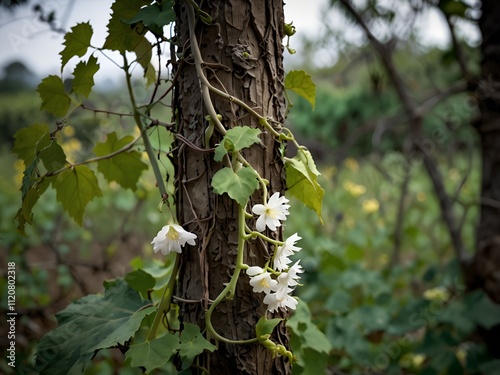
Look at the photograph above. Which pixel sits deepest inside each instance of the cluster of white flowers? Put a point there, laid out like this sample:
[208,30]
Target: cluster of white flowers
[277,289]
[277,285]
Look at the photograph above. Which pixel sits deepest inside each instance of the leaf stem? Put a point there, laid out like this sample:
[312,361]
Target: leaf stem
[229,290]
[96,159]
[145,137]
[166,299]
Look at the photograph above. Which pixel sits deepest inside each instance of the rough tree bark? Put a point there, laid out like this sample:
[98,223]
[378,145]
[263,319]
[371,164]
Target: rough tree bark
[487,259]
[242,51]
[485,270]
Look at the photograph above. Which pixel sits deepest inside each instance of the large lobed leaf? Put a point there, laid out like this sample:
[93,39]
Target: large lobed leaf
[75,188]
[124,168]
[153,354]
[156,353]
[84,76]
[130,37]
[238,185]
[236,139]
[76,42]
[309,344]
[54,97]
[91,323]
[30,140]
[121,36]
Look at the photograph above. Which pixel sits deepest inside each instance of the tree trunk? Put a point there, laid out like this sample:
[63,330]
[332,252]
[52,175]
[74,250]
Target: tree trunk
[242,51]
[486,263]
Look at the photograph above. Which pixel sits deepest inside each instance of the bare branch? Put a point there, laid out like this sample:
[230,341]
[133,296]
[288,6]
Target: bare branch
[415,121]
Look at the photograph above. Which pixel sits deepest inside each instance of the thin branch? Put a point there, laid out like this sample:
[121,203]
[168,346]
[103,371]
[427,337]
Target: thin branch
[415,120]
[398,230]
[469,77]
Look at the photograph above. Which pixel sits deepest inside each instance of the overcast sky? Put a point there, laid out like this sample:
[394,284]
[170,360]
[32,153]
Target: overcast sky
[23,37]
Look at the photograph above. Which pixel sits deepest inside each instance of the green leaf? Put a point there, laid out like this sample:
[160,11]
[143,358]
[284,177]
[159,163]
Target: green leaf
[54,97]
[481,309]
[265,326]
[236,139]
[302,326]
[89,324]
[121,36]
[311,362]
[150,75]
[75,188]
[192,344]
[29,140]
[84,76]
[76,42]
[302,180]
[301,83]
[454,8]
[155,16]
[53,156]
[29,177]
[126,167]
[153,354]
[32,188]
[140,281]
[32,196]
[239,186]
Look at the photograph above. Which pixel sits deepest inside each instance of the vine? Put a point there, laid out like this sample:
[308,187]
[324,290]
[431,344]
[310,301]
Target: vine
[76,185]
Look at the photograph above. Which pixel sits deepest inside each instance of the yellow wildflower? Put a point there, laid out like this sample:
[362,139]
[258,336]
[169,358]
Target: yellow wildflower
[370,205]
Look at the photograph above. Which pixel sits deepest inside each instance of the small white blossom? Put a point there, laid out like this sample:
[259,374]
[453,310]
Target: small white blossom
[281,259]
[290,278]
[271,213]
[274,301]
[262,282]
[171,238]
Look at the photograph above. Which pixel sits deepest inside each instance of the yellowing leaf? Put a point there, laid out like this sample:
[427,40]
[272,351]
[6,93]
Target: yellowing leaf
[150,75]
[301,83]
[84,76]
[54,97]
[301,180]
[76,42]
[75,188]
[126,167]
[143,51]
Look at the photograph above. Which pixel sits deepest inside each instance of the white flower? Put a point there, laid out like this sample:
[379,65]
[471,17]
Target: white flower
[289,279]
[282,253]
[171,238]
[261,282]
[271,213]
[274,301]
